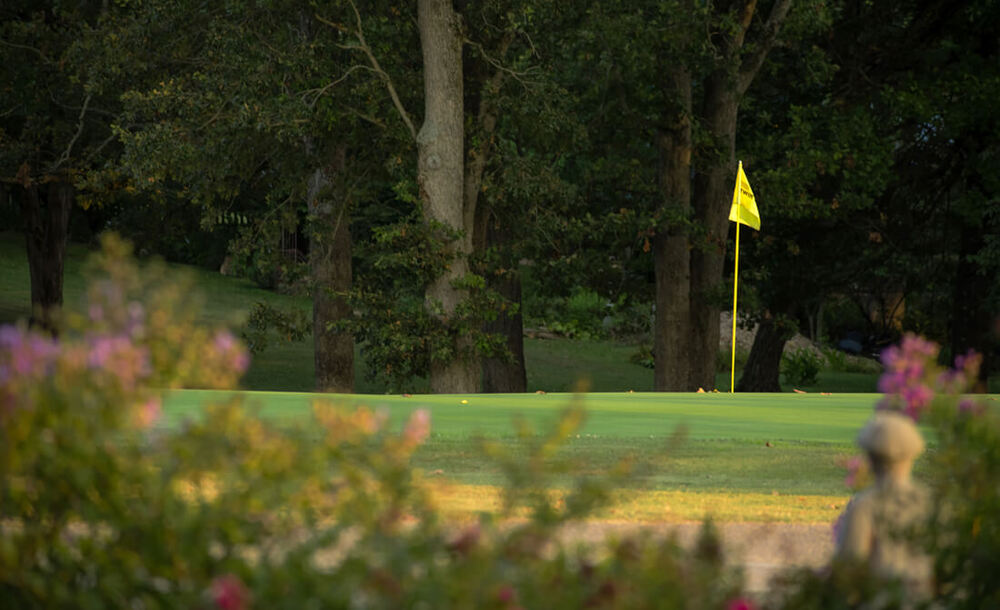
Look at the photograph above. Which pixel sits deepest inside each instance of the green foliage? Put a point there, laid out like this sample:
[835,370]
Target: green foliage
[841,362]
[644,357]
[801,367]
[963,531]
[835,359]
[578,316]
[584,314]
[289,324]
[259,253]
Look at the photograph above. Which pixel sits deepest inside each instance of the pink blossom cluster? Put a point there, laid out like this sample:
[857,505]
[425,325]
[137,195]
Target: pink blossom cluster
[417,428]
[127,362]
[227,351]
[912,377]
[23,356]
[905,380]
[31,361]
[229,593]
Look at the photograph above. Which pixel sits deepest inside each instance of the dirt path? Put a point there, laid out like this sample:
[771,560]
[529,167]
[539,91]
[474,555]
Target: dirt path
[762,549]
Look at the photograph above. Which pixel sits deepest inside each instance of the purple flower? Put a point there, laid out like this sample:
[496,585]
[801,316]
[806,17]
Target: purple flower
[891,382]
[27,354]
[916,398]
[890,356]
[136,318]
[854,466]
[970,406]
[118,356]
[909,368]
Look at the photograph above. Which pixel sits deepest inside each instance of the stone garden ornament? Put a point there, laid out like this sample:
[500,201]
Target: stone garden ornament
[878,523]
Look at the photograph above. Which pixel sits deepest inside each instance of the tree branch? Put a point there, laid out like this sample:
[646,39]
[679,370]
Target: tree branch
[79,130]
[746,17]
[27,48]
[364,48]
[497,63]
[318,93]
[752,62]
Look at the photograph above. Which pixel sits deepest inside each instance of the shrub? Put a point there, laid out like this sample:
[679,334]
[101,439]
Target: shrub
[801,367]
[842,362]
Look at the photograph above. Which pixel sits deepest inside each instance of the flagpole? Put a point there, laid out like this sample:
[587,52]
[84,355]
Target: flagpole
[736,275]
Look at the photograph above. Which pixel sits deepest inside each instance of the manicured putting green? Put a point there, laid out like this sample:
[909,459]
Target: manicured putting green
[818,418]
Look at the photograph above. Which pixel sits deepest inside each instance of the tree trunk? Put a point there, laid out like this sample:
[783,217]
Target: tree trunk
[723,90]
[440,173]
[971,319]
[500,375]
[330,265]
[46,217]
[763,368]
[713,197]
[671,247]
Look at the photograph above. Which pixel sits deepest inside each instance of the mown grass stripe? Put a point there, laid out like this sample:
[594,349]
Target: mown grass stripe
[831,419]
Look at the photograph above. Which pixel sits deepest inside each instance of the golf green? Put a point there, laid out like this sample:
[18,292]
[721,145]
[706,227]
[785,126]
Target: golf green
[831,418]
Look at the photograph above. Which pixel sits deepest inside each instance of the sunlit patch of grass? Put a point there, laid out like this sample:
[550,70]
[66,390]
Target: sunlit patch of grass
[460,501]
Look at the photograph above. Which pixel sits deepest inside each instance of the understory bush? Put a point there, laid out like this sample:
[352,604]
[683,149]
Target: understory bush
[724,359]
[801,367]
[584,314]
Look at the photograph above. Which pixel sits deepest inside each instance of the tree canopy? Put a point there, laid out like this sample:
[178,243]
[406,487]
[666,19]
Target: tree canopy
[433,158]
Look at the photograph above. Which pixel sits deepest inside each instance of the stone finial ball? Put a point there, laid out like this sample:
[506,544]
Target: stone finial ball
[892,436]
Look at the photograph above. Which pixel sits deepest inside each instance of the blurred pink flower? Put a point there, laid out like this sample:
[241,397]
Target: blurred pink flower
[26,354]
[149,412]
[230,351]
[970,406]
[506,594]
[120,357]
[854,466]
[229,593]
[740,603]
[909,368]
[418,427]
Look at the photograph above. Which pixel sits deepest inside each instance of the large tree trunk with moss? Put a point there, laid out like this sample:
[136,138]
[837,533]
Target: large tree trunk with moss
[46,211]
[762,371]
[671,247]
[440,173]
[330,265]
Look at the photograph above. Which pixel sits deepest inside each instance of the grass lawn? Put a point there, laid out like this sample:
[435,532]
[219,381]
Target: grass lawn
[724,465]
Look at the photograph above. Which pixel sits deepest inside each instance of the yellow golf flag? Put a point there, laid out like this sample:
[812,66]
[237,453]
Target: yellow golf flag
[744,208]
